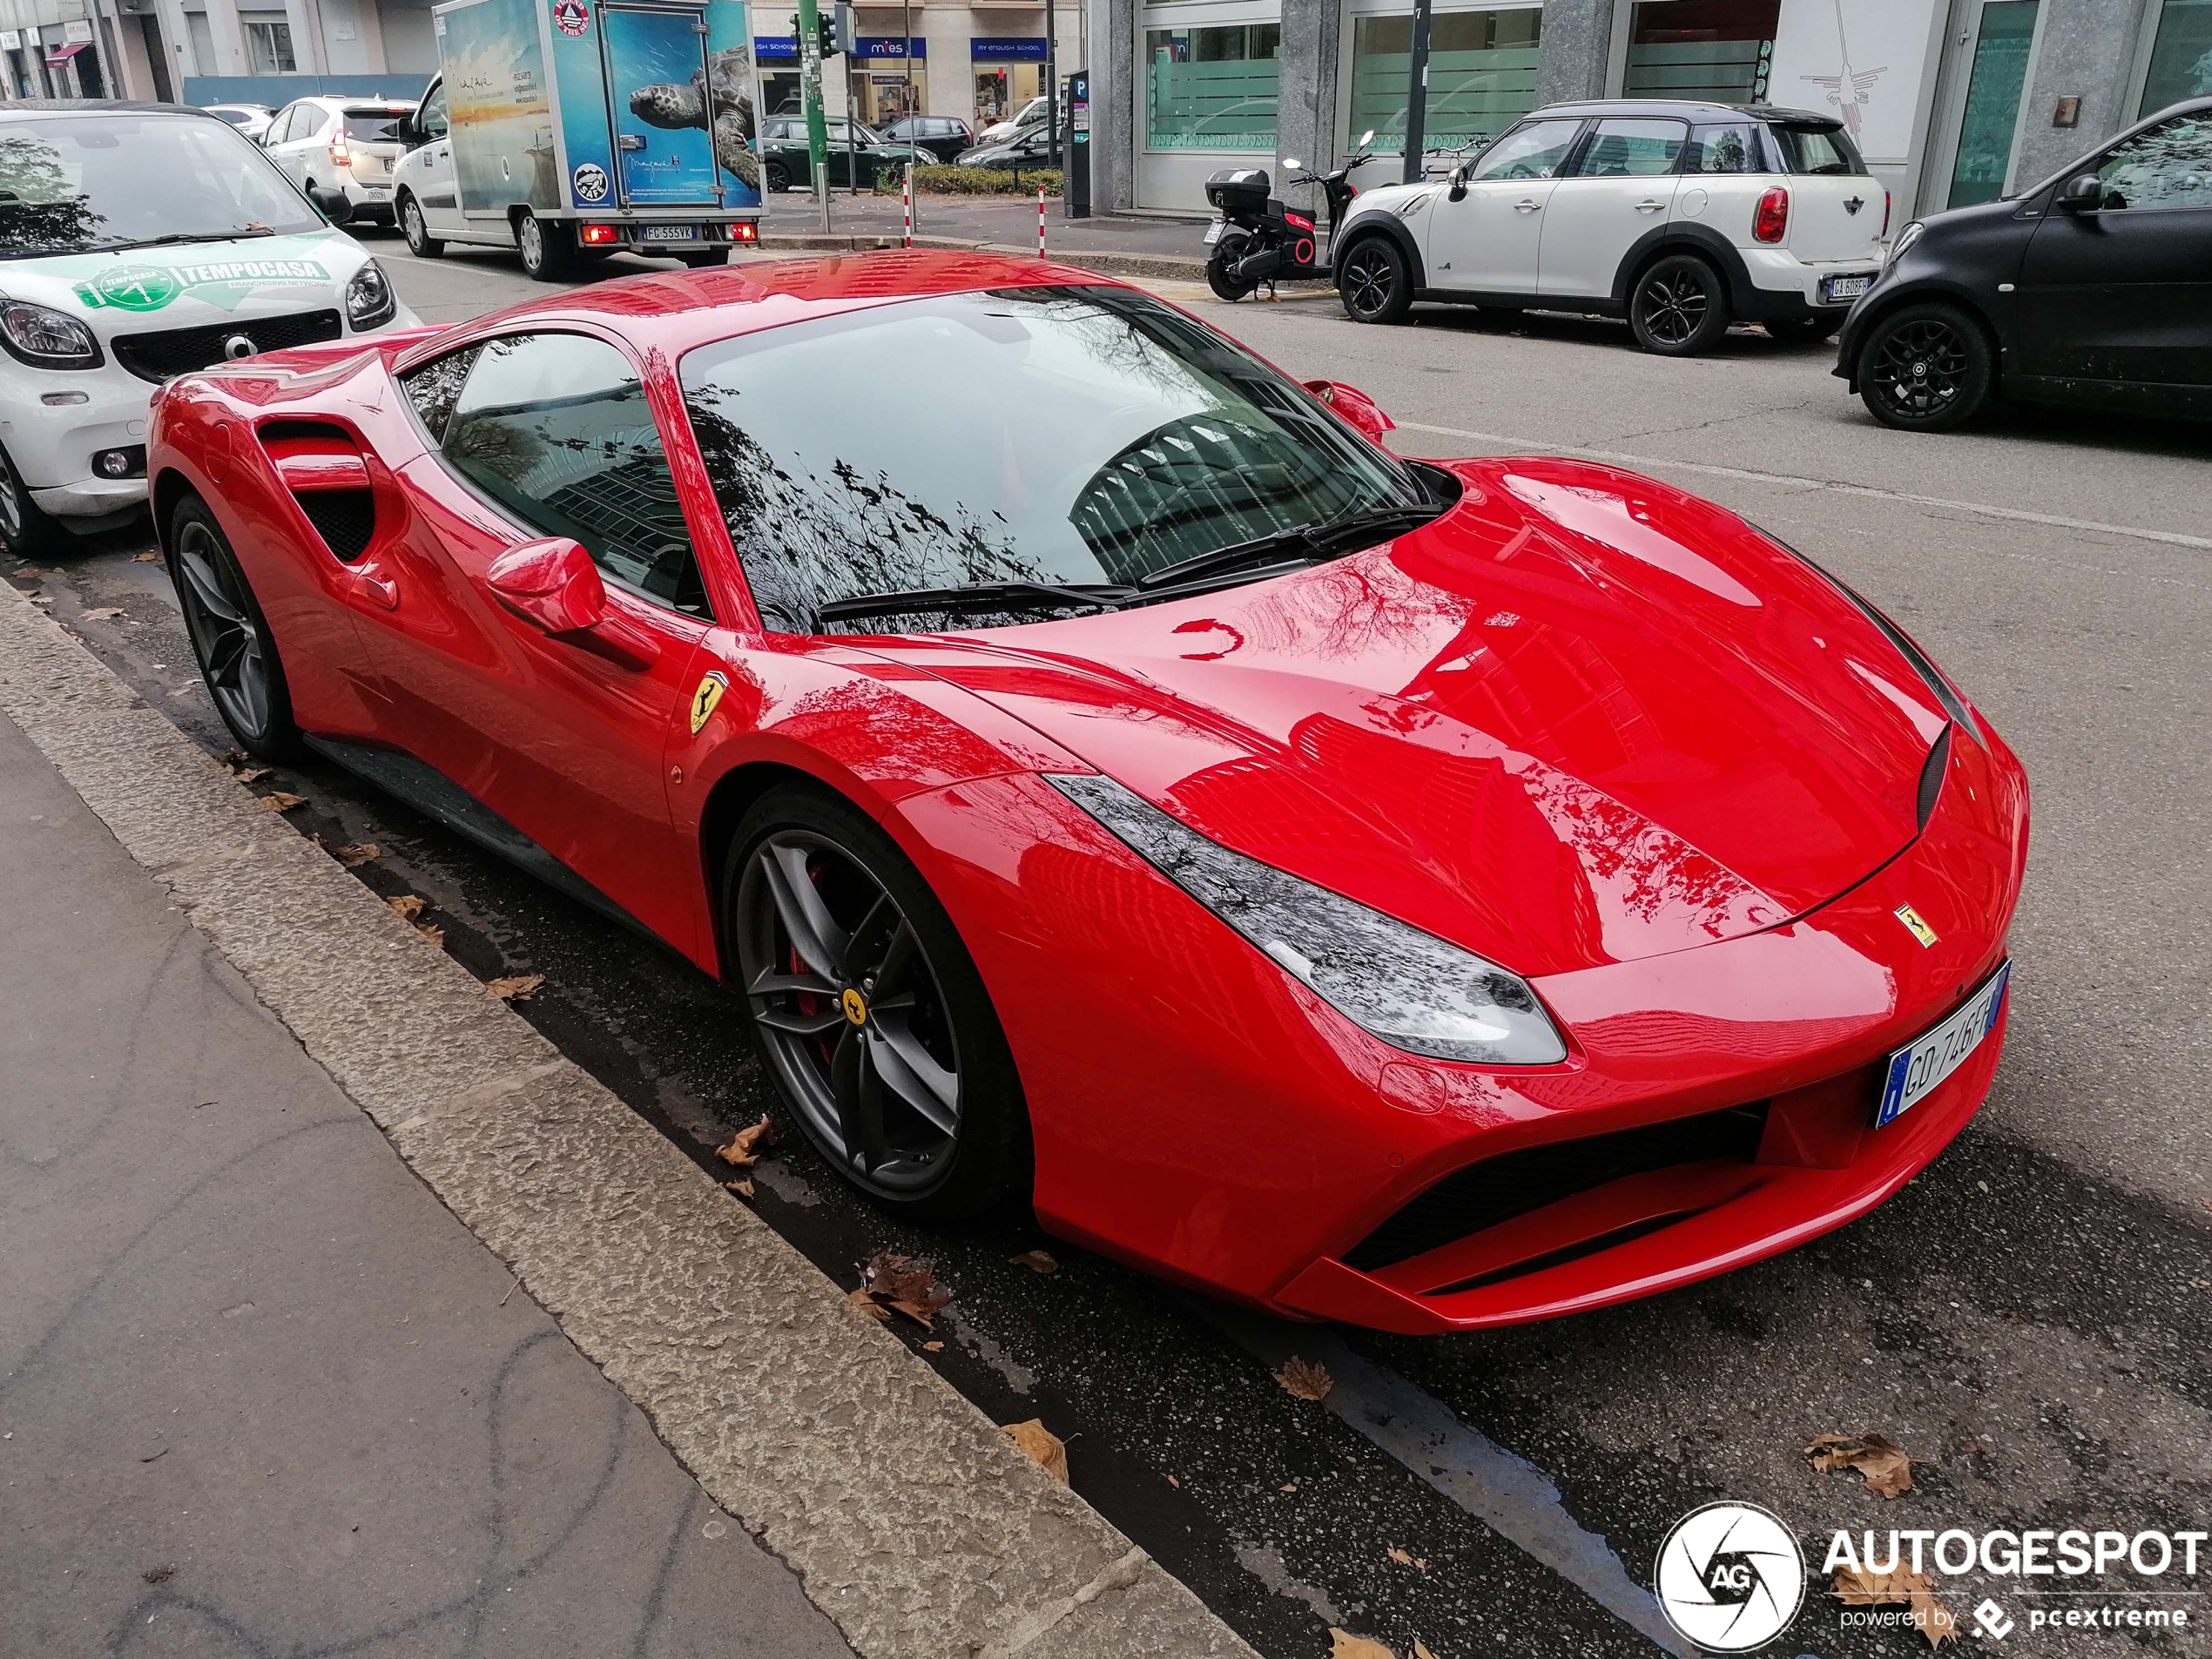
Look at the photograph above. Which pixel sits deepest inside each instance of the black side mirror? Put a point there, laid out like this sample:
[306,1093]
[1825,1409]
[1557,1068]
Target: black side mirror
[1459,190]
[332,203]
[2084,193]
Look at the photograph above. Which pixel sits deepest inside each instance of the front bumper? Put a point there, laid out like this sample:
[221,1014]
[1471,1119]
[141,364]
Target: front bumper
[52,444]
[1197,1113]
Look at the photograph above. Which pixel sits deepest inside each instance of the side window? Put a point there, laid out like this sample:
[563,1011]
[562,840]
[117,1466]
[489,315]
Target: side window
[1625,149]
[280,126]
[1537,151]
[432,118]
[2168,167]
[1729,149]
[436,387]
[556,430]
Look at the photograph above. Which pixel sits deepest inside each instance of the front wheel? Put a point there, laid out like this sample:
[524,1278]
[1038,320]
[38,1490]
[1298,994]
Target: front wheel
[1925,369]
[420,242]
[26,529]
[544,249]
[1374,284]
[777,176]
[868,1010]
[1679,307]
[230,636]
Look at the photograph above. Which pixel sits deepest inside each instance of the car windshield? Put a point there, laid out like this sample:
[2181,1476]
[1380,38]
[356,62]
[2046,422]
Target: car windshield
[1817,150]
[1048,435]
[71,184]
[373,127]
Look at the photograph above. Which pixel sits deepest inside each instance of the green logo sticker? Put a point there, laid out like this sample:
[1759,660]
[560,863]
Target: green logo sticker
[221,282]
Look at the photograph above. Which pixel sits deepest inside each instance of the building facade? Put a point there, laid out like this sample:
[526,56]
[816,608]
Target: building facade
[981,62]
[1952,101]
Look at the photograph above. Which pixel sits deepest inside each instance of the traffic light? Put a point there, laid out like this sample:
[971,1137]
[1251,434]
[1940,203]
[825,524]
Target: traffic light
[826,23]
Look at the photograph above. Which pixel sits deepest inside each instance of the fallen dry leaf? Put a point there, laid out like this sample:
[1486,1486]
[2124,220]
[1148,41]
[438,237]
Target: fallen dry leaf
[251,774]
[1290,1487]
[101,613]
[145,558]
[933,1347]
[905,1286]
[435,935]
[1405,1558]
[743,1189]
[359,853]
[866,1304]
[1041,1445]
[740,1151]
[1038,1261]
[1887,1469]
[279,801]
[517,990]
[406,905]
[30,570]
[1855,1587]
[1306,1379]
[1348,1646]
[1177,1484]
[1421,1651]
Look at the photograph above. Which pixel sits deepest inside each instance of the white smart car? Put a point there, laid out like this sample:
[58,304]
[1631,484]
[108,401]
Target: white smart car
[139,241]
[1683,217]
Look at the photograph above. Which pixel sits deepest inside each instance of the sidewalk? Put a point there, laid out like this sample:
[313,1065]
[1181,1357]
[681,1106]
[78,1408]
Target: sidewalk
[262,1394]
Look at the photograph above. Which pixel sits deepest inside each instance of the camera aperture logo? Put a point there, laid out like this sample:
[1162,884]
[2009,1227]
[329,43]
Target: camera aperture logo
[1730,1578]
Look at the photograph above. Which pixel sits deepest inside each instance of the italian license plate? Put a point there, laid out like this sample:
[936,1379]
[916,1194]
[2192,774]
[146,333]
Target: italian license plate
[671,232]
[1916,1068]
[1214,230]
[1848,287]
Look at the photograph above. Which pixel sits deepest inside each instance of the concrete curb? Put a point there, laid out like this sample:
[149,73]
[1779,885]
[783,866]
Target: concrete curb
[909,1518]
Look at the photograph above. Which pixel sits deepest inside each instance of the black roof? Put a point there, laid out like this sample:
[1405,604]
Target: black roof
[1693,108]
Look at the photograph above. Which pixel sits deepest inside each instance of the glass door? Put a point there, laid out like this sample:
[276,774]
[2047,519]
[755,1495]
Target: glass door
[1998,37]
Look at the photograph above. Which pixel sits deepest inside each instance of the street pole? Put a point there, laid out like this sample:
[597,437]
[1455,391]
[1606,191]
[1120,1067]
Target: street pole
[913,132]
[1417,94]
[810,93]
[1052,87]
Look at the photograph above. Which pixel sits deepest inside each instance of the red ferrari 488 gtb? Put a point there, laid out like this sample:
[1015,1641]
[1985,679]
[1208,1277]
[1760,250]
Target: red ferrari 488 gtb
[1430,896]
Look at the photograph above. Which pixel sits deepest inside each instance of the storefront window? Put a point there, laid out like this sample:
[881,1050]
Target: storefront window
[2181,56]
[1482,76]
[1717,51]
[1212,89]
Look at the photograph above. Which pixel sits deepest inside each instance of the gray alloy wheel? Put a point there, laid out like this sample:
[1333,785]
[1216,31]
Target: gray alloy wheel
[851,1011]
[230,636]
[1374,285]
[1679,307]
[420,242]
[545,259]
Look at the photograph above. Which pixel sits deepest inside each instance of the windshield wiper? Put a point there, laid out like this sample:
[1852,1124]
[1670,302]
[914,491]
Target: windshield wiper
[171,238]
[979,596]
[1300,544]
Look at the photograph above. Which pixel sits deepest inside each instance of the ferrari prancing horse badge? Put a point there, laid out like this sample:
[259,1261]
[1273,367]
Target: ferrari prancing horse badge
[705,697]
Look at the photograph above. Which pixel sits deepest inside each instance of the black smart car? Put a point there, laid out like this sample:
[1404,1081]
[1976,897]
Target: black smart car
[2093,289]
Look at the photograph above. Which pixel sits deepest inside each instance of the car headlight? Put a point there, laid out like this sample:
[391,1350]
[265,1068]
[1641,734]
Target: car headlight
[369,299]
[1906,237]
[46,339]
[1412,989]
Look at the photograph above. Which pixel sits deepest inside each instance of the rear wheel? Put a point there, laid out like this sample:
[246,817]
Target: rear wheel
[1802,331]
[1679,307]
[544,248]
[230,636]
[1226,252]
[420,242]
[868,1010]
[1925,369]
[777,175]
[1374,284]
[26,529]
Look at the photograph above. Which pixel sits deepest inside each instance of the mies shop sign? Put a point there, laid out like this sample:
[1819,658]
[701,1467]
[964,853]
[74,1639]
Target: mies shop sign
[981,48]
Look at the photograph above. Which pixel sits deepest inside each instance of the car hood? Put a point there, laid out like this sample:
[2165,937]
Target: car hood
[1582,717]
[137,289]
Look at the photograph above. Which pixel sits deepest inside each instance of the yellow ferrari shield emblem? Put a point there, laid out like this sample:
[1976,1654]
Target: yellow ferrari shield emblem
[705,697]
[855,1005]
[1915,925]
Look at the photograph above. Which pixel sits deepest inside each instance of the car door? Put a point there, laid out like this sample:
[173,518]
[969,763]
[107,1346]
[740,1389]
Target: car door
[436,190]
[1621,185]
[278,138]
[536,435]
[1487,241]
[2123,293]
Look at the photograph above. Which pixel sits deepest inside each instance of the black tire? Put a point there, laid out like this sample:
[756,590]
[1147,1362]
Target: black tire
[27,529]
[1232,247]
[707,259]
[231,639]
[1927,367]
[777,176]
[548,255]
[1802,331]
[828,1058]
[1679,307]
[1373,282]
[416,229]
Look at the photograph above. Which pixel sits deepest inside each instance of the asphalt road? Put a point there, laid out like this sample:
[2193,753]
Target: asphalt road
[2029,1318]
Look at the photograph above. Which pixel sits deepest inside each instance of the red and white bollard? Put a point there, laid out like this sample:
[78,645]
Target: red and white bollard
[1040,221]
[908,202]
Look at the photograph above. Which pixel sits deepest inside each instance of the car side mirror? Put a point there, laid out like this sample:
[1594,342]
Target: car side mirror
[2083,194]
[331,203]
[1360,411]
[552,583]
[1457,192]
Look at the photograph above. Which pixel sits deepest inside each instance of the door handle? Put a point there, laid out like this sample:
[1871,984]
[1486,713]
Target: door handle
[1525,206]
[630,141]
[377,589]
[1649,206]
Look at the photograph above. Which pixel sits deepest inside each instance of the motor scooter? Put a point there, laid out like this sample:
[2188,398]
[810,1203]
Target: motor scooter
[1258,239]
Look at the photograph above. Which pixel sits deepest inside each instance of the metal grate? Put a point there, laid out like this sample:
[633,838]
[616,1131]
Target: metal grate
[170,351]
[345,519]
[1497,1190]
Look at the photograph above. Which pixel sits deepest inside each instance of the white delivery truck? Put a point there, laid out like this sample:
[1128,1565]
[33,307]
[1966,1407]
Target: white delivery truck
[571,128]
